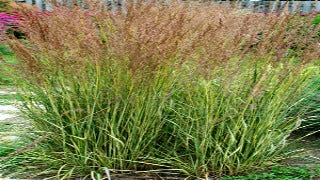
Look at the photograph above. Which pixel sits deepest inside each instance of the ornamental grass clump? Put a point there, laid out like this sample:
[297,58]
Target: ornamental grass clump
[190,88]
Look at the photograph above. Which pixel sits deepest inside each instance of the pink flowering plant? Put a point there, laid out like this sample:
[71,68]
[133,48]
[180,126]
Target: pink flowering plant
[7,21]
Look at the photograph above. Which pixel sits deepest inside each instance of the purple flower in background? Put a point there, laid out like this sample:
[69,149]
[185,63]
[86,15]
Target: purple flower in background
[7,21]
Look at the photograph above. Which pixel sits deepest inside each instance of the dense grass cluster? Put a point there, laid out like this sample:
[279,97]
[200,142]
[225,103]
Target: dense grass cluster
[198,89]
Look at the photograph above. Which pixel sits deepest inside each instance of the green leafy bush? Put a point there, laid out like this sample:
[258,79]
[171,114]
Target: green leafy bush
[316,20]
[7,57]
[287,173]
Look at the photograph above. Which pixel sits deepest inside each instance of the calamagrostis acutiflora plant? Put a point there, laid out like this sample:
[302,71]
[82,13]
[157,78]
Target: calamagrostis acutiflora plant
[198,88]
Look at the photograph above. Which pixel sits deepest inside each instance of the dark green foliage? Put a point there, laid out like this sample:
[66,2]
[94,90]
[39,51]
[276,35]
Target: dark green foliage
[7,57]
[283,173]
[316,20]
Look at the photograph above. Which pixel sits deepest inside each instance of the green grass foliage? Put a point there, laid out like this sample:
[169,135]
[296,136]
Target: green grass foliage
[171,119]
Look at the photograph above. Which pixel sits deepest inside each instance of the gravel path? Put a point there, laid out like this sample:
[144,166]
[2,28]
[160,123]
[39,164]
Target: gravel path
[9,116]
[12,124]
